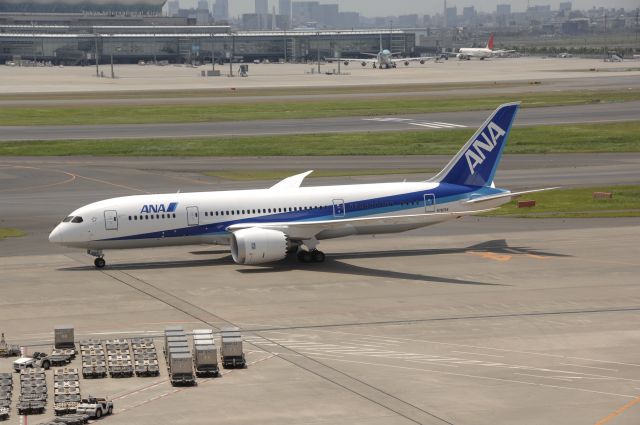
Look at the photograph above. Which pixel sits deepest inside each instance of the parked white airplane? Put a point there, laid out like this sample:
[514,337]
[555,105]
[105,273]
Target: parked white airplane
[384,59]
[264,225]
[480,52]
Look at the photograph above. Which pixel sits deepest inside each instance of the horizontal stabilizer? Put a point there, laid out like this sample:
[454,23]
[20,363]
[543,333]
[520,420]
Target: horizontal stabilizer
[512,195]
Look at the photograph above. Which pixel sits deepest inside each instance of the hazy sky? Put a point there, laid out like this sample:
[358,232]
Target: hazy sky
[399,7]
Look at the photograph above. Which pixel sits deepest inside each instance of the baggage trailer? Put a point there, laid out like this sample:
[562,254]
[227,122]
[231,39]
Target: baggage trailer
[7,350]
[181,370]
[206,360]
[231,348]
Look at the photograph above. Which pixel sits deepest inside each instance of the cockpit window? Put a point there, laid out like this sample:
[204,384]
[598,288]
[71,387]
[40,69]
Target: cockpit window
[68,219]
[77,219]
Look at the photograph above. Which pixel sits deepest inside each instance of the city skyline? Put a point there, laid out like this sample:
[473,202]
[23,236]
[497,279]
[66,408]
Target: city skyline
[373,8]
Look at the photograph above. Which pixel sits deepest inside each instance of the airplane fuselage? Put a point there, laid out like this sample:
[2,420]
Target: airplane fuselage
[204,217]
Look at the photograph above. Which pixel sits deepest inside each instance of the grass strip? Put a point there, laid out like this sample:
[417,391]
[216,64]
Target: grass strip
[181,113]
[578,138]
[7,232]
[574,203]
[281,174]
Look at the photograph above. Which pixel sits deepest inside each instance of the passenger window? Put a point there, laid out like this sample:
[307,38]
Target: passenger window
[77,219]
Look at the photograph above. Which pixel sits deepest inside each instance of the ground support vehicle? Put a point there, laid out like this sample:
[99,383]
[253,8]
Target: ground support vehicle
[6,389]
[7,350]
[66,390]
[33,392]
[94,362]
[205,360]
[119,361]
[145,357]
[179,358]
[38,360]
[95,407]
[231,348]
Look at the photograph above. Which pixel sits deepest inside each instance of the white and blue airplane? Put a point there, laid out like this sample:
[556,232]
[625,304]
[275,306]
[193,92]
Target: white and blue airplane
[264,225]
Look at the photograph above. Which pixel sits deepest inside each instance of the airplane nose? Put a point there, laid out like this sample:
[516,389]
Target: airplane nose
[56,235]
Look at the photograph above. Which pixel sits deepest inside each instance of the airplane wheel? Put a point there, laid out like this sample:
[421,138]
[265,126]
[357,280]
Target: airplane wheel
[304,257]
[317,256]
[99,262]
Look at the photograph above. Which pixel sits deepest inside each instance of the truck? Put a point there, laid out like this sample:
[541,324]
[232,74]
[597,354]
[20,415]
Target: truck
[181,369]
[95,407]
[206,360]
[231,348]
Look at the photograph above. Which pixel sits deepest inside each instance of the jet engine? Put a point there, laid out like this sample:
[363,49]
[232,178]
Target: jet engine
[346,63]
[258,246]
[364,64]
[406,63]
[421,61]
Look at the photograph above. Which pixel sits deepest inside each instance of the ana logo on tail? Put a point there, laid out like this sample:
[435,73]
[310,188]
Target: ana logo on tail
[475,155]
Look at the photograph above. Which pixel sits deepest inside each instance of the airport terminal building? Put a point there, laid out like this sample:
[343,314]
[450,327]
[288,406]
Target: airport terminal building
[75,33]
[185,44]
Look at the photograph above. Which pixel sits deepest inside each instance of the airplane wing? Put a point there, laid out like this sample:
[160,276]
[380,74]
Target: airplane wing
[304,230]
[347,60]
[421,59]
[512,195]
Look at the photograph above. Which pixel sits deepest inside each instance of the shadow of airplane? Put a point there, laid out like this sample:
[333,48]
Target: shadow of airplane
[333,263]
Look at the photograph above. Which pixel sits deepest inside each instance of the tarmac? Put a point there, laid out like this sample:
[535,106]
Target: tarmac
[583,73]
[537,326]
[477,321]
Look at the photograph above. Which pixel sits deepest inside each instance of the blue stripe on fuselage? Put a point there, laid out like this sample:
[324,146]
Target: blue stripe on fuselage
[444,193]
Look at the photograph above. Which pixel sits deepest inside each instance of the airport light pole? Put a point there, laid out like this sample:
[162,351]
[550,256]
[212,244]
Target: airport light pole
[318,45]
[213,61]
[96,54]
[112,74]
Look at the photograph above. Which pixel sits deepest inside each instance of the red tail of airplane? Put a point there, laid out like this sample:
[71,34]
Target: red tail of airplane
[490,43]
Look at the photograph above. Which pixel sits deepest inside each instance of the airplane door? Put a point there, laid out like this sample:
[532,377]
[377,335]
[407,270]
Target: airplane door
[111,220]
[429,203]
[192,216]
[338,208]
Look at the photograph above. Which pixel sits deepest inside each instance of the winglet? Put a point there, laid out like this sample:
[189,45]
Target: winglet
[292,182]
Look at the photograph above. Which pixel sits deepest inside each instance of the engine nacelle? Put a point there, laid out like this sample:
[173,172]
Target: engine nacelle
[406,63]
[364,64]
[421,61]
[346,63]
[258,246]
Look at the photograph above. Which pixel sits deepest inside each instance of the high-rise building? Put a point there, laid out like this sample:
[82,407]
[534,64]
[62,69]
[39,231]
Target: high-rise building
[503,10]
[305,11]
[408,21]
[565,6]
[221,9]
[329,15]
[348,20]
[284,7]
[451,16]
[172,7]
[262,7]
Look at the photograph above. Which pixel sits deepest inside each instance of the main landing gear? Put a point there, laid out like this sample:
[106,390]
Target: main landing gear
[99,262]
[314,256]
[308,253]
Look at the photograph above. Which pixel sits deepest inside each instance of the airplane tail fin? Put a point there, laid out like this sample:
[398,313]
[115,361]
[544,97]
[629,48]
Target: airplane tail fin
[490,42]
[476,163]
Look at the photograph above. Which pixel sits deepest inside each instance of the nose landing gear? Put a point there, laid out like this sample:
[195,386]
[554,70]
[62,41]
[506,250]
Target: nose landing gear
[99,262]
